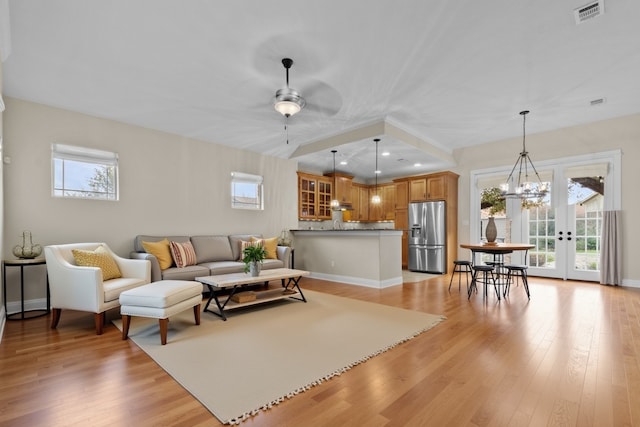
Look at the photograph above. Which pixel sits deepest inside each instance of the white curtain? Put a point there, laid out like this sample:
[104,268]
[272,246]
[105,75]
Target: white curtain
[611,250]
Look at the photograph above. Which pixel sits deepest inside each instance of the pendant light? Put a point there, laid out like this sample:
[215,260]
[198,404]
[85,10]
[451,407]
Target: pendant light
[376,197]
[523,187]
[335,203]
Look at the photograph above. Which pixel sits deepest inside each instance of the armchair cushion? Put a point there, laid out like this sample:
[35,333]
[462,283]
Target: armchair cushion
[98,258]
[161,251]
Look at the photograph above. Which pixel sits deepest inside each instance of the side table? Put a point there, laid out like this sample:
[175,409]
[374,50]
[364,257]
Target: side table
[22,263]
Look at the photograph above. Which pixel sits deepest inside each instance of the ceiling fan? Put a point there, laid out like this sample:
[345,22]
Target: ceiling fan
[288,101]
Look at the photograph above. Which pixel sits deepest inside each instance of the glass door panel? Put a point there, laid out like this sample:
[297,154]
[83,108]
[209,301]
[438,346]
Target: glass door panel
[585,204]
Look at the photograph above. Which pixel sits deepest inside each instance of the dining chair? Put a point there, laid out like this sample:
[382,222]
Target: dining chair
[461,267]
[513,272]
[487,277]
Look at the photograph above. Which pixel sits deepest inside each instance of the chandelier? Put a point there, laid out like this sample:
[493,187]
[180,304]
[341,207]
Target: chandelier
[523,188]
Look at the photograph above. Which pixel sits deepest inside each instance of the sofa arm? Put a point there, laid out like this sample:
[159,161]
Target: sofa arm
[284,255]
[156,273]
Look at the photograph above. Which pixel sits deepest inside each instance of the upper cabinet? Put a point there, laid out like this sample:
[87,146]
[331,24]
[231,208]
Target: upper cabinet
[432,187]
[314,196]
[418,190]
[402,194]
[343,184]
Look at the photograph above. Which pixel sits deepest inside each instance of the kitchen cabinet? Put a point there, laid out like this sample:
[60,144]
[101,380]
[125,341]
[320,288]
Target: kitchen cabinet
[314,197]
[431,187]
[388,202]
[385,210]
[401,223]
[418,190]
[363,201]
[402,194]
[343,189]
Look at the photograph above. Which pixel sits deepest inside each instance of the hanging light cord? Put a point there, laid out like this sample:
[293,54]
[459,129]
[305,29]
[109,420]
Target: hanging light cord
[286,128]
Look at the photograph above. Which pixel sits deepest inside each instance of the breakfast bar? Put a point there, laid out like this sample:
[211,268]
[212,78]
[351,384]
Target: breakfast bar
[371,258]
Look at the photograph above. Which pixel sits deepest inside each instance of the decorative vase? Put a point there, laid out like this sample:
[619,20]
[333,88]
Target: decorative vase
[491,232]
[254,268]
[28,250]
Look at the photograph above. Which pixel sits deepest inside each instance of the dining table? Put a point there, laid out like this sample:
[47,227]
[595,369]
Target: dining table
[498,249]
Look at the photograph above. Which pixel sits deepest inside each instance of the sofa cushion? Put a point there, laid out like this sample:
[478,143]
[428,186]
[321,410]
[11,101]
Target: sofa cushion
[187,273]
[224,267]
[183,254]
[161,251]
[269,264]
[234,242]
[212,248]
[270,246]
[100,258]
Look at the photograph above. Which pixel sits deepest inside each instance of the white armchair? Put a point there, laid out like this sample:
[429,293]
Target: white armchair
[82,288]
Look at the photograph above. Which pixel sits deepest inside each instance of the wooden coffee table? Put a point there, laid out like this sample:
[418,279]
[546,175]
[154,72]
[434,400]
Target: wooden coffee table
[236,281]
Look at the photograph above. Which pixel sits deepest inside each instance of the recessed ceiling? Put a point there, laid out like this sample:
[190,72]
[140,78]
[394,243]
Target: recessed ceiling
[436,75]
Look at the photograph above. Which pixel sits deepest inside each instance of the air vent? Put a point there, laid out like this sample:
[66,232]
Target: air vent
[589,11]
[598,101]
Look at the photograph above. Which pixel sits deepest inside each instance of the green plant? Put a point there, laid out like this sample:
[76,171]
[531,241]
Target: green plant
[251,254]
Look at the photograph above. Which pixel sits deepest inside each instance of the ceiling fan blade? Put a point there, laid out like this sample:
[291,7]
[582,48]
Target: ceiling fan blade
[322,98]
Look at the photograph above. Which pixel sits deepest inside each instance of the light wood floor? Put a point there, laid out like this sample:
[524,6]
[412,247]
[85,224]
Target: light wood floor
[568,357]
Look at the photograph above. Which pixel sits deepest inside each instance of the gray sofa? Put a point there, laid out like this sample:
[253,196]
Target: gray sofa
[216,254]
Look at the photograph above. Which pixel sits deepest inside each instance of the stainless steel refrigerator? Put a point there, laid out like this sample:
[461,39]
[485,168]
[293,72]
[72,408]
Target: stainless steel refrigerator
[427,237]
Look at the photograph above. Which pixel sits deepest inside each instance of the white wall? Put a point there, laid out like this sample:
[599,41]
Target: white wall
[168,184]
[1,207]
[621,133]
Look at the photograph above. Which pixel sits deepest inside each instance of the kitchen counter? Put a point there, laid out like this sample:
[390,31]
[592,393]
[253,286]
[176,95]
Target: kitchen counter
[371,258]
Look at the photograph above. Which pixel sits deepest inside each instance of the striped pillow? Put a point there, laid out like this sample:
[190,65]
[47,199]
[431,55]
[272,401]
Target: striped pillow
[183,254]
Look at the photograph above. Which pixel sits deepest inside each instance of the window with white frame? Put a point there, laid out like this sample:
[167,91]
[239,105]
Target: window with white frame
[246,191]
[84,173]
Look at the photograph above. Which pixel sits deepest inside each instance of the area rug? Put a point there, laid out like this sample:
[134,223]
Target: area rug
[270,352]
[414,276]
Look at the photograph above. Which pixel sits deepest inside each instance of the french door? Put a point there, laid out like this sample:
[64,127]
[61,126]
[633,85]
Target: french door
[567,236]
[566,226]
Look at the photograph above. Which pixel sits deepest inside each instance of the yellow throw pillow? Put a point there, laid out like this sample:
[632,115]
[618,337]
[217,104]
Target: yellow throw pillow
[270,246]
[99,258]
[161,251]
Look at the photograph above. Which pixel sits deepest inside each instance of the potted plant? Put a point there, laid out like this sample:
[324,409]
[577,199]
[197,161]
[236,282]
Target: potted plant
[252,256]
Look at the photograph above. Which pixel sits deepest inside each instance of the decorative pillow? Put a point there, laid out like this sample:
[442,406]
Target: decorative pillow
[161,251]
[270,246]
[99,258]
[183,254]
[245,244]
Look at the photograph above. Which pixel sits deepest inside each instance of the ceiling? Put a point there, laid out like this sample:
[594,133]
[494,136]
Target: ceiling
[426,77]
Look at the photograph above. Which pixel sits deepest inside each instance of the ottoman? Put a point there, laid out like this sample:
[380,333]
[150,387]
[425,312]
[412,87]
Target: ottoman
[160,300]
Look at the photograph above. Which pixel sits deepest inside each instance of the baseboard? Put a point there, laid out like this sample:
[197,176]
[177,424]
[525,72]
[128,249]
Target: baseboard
[369,283]
[3,321]
[32,304]
[631,283]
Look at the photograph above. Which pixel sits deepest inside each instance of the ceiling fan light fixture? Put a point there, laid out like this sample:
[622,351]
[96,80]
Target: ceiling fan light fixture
[288,102]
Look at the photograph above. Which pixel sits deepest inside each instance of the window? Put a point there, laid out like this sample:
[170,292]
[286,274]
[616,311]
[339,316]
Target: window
[84,173]
[246,191]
